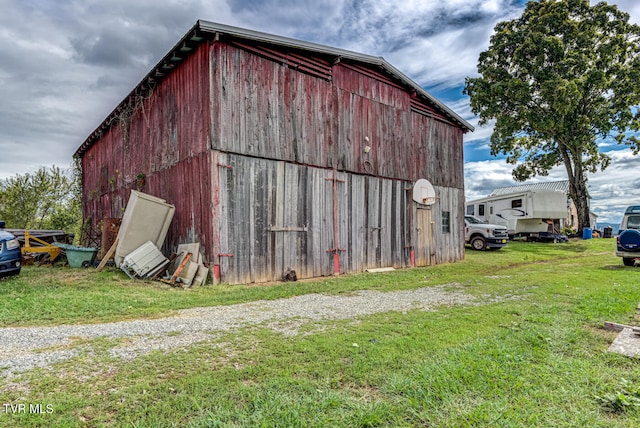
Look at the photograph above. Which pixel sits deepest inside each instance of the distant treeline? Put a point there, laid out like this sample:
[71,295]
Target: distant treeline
[46,199]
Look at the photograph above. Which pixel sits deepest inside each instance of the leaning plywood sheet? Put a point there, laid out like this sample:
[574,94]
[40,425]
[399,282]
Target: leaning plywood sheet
[188,274]
[201,276]
[146,218]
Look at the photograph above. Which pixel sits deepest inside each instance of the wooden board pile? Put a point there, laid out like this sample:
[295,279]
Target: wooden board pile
[186,268]
[141,233]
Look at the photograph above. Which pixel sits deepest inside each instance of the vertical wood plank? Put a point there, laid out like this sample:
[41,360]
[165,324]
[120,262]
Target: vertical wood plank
[280,216]
[385,223]
[226,190]
[302,221]
[373,222]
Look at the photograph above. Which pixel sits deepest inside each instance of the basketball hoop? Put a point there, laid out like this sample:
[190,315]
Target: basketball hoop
[424,193]
[429,200]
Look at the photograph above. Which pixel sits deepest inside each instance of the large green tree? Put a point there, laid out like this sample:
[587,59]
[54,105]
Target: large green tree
[558,80]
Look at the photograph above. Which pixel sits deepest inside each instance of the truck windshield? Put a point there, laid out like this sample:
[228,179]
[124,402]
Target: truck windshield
[474,220]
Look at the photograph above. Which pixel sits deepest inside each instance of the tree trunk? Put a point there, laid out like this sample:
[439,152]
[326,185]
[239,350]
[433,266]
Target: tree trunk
[580,196]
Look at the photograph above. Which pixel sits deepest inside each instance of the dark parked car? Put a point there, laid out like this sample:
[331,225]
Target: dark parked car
[629,236]
[10,254]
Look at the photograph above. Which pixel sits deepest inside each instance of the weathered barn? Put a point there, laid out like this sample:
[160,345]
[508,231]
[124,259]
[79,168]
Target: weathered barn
[283,154]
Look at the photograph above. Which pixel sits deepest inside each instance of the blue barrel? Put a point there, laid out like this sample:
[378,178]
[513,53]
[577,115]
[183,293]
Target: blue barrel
[587,233]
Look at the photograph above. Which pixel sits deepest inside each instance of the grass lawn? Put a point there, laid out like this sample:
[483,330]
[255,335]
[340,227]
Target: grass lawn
[537,359]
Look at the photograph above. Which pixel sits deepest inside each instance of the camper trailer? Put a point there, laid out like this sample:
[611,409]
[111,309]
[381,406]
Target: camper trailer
[526,213]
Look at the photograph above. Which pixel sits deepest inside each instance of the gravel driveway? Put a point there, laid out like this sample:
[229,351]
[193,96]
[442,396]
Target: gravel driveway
[24,348]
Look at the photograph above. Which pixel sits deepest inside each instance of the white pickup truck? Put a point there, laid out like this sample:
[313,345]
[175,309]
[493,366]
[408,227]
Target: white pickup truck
[481,235]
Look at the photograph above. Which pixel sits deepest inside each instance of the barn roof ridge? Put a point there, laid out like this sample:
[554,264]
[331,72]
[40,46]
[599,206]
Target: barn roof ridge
[198,33]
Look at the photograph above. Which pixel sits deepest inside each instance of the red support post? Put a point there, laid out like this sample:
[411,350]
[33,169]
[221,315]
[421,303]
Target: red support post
[412,255]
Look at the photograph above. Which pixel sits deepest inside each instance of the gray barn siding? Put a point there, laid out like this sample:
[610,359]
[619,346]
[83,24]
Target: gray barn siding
[442,247]
[262,204]
[450,246]
[275,215]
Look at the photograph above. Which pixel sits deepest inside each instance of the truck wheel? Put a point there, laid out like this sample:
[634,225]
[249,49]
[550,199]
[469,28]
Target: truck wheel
[478,243]
[629,262]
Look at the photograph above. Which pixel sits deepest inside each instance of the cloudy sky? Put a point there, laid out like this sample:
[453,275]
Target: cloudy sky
[65,64]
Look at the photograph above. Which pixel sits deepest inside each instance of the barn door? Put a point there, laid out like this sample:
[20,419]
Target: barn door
[425,251]
[288,221]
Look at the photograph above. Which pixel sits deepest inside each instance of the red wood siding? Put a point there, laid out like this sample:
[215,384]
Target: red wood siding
[265,109]
[166,138]
[436,152]
[370,85]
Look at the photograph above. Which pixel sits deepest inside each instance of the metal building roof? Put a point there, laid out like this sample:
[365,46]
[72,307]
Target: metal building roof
[205,30]
[562,185]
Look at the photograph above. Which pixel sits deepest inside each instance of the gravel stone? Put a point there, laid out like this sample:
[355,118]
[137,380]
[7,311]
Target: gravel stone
[25,348]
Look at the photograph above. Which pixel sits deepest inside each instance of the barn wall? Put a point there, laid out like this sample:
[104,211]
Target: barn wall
[275,215]
[249,150]
[449,245]
[165,136]
[437,152]
[266,109]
